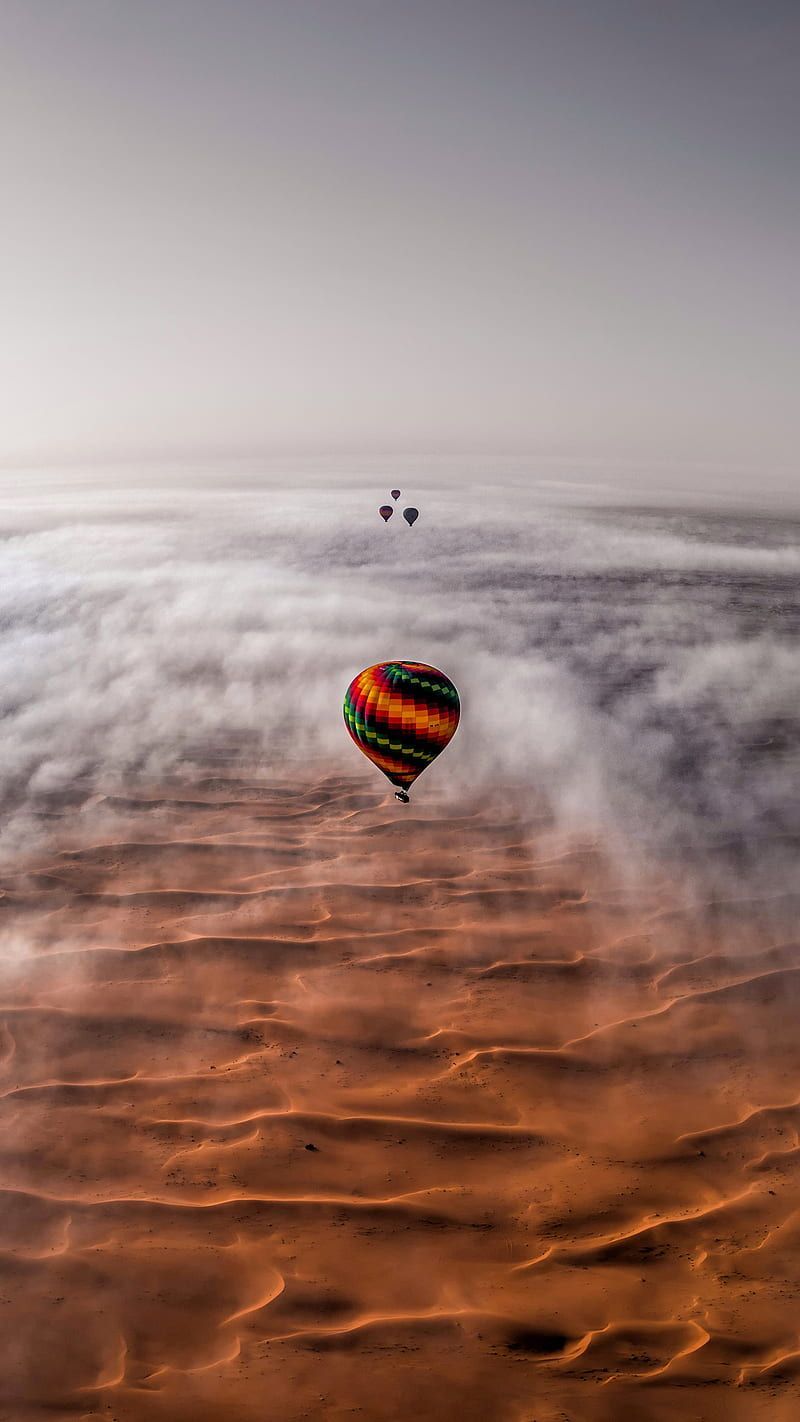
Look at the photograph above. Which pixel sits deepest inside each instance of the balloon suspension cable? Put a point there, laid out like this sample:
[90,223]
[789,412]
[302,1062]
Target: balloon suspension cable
[402,795]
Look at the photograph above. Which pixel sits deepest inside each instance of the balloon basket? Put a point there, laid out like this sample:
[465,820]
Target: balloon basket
[403,796]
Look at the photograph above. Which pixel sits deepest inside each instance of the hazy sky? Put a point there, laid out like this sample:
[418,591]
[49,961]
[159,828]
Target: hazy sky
[554,227]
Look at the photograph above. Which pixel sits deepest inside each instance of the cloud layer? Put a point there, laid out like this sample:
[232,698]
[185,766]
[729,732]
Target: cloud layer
[638,670]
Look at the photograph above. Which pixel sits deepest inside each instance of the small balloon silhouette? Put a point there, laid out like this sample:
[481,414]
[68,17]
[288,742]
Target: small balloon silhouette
[386,512]
[410,516]
[395,493]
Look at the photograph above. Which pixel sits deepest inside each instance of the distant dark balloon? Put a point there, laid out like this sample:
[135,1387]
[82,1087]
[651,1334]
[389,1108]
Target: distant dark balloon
[410,516]
[386,512]
[395,493]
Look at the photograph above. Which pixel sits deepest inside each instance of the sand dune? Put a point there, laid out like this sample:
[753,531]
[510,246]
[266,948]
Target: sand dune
[314,1107]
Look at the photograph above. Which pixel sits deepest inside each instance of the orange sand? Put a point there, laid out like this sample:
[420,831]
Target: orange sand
[554,1121]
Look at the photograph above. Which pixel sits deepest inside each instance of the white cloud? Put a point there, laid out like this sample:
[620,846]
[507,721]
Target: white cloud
[638,670]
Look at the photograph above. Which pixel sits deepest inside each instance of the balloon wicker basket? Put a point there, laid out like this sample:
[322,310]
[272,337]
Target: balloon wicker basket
[403,796]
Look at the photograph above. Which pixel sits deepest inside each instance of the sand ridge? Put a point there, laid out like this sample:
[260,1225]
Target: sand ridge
[316,1106]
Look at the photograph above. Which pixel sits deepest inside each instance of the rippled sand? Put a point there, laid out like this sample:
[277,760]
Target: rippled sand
[316,1106]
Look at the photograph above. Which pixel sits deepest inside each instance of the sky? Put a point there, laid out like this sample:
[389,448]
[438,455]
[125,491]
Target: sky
[563,230]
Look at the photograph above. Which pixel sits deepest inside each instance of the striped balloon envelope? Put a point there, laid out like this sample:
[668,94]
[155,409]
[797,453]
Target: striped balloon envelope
[401,715]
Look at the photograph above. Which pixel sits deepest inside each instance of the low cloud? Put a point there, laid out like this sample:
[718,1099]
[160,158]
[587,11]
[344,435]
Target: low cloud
[636,671]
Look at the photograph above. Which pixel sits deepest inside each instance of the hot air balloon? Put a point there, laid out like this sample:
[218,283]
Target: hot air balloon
[395,493]
[410,516]
[386,512]
[401,715]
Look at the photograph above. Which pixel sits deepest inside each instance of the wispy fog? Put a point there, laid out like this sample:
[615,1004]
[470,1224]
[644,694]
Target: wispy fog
[638,672]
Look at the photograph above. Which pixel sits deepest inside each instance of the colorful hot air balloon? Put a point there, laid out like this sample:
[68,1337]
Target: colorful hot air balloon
[410,516]
[401,715]
[386,512]
[395,493]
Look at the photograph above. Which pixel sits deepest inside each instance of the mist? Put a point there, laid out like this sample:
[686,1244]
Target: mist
[633,671]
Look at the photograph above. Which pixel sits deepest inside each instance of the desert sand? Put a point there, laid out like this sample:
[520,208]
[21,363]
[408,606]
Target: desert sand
[316,1106]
